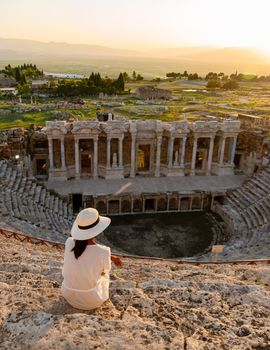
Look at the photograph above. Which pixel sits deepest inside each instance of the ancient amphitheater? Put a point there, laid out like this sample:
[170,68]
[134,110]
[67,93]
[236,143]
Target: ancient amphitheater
[128,168]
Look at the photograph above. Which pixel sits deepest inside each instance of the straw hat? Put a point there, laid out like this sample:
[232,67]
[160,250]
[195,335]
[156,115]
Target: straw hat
[89,224]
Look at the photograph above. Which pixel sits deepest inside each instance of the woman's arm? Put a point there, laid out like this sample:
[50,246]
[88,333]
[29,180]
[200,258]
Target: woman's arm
[116,260]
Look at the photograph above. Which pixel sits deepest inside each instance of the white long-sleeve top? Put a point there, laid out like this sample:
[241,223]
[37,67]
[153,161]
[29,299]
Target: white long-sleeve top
[84,272]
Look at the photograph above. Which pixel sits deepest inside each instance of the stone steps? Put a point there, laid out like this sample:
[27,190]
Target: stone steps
[32,206]
[252,202]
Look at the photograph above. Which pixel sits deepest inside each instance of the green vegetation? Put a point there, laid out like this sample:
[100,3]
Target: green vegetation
[219,95]
[94,85]
[21,73]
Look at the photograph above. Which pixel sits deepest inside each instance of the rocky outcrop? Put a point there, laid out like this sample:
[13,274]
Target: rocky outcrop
[153,305]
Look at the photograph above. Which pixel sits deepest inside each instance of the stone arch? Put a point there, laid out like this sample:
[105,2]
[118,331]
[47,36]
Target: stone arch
[137,205]
[126,206]
[185,203]
[206,203]
[162,204]
[173,204]
[114,206]
[196,203]
[101,206]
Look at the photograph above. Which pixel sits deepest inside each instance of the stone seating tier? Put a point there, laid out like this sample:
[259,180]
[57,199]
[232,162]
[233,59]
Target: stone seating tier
[251,203]
[29,207]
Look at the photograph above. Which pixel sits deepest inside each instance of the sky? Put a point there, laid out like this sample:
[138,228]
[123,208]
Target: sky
[139,24]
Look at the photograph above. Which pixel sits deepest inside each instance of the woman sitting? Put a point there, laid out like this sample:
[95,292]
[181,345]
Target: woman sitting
[87,265]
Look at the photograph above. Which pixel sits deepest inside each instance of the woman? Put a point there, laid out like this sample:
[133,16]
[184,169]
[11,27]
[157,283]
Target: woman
[87,265]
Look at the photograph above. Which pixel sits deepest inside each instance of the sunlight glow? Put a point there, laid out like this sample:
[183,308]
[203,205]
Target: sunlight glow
[139,24]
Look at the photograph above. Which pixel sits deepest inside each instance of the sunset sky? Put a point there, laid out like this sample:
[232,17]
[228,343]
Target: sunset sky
[139,24]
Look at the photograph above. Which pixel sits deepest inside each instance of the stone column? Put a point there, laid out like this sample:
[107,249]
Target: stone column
[157,171]
[63,158]
[194,153]
[221,155]
[202,199]
[210,156]
[133,155]
[233,149]
[183,149]
[191,203]
[77,159]
[120,151]
[108,152]
[170,151]
[51,153]
[95,172]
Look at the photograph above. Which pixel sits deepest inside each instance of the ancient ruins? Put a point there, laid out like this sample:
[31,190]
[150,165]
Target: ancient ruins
[124,167]
[117,149]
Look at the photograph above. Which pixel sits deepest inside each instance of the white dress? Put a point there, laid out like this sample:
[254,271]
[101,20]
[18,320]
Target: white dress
[86,279]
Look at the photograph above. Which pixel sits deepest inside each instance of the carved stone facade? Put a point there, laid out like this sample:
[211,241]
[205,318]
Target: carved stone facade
[122,148]
[147,203]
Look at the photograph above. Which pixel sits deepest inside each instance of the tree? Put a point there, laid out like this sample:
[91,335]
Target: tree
[213,84]
[134,75]
[18,75]
[126,76]
[194,76]
[139,77]
[23,79]
[24,89]
[120,83]
[92,76]
[97,79]
[173,75]
[211,76]
[230,85]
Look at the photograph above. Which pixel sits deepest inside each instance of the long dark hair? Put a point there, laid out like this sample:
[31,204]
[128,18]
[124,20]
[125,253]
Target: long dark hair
[79,247]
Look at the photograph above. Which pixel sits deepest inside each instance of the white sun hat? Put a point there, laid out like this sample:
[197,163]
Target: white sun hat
[89,224]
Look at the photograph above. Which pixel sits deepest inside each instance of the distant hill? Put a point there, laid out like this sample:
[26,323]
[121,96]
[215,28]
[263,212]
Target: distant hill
[230,54]
[83,59]
[174,52]
[19,47]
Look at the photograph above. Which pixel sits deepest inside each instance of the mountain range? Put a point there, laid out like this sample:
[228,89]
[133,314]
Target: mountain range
[151,62]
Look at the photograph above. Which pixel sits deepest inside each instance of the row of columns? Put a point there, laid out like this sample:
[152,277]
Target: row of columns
[232,149]
[120,152]
[210,153]
[63,158]
[95,155]
[181,151]
[182,147]
[77,157]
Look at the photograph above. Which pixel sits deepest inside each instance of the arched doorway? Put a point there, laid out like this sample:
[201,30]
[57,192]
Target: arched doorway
[143,158]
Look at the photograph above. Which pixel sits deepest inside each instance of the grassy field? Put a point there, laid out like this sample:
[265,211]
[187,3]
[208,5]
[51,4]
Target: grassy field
[253,98]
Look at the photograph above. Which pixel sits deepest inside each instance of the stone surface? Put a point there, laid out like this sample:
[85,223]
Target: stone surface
[179,184]
[153,305]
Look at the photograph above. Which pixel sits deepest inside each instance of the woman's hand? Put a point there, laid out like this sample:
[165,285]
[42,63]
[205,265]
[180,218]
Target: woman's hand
[117,261]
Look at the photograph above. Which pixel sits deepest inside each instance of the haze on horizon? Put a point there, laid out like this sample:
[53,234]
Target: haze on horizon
[141,24]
